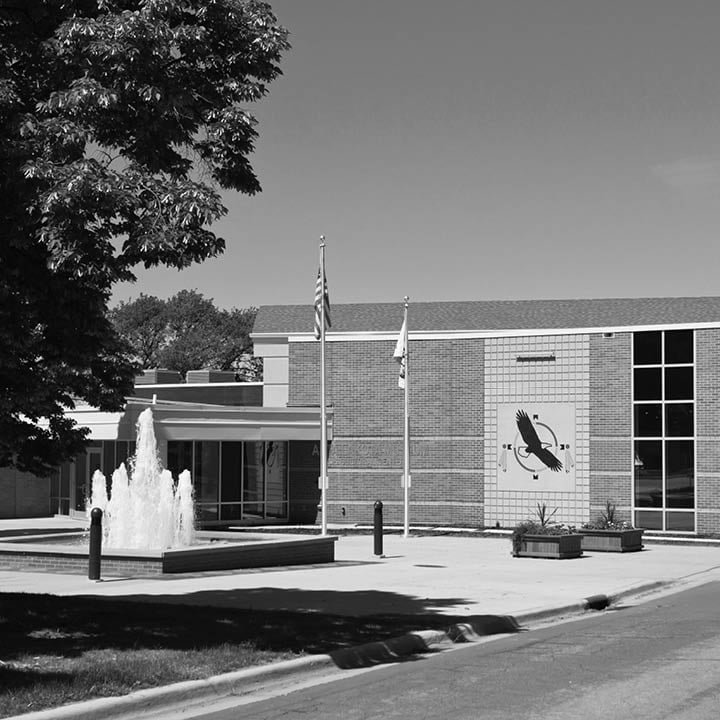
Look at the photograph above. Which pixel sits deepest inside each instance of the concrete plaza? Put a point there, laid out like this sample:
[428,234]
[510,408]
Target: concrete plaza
[451,573]
[460,575]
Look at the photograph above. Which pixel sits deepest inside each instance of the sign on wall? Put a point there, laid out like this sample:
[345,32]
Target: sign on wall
[536,445]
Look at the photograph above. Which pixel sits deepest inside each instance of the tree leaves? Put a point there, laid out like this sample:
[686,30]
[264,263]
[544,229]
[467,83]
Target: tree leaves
[107,107]
[188,332]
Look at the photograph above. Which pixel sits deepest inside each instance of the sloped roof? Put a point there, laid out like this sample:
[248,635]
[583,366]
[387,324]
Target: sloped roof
[489,315]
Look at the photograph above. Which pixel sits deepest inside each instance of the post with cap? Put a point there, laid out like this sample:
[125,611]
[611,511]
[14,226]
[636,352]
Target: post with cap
[321,302]
[95,544]
[406,480]
[378,528]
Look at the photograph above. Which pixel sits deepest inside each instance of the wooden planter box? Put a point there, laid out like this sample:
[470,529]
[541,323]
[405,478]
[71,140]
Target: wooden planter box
[559,547]
[612,540]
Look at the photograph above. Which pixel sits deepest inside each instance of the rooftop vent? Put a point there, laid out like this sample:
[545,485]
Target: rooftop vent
[196,377]
[158,376]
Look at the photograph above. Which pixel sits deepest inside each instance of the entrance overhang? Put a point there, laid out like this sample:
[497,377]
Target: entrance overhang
[198,421]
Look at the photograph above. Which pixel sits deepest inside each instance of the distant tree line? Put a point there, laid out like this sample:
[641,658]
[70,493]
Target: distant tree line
[188,332]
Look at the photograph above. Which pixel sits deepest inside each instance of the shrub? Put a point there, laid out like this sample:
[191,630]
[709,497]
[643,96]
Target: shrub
[607,520]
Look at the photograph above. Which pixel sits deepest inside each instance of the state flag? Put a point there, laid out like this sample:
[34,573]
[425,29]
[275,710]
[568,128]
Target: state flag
[400,354]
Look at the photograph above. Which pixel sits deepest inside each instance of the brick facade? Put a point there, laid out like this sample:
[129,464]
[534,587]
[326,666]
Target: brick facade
[456,388]
[462,383]
[23,494]
[453,438]
[707,430]
[611,423]
[365,461]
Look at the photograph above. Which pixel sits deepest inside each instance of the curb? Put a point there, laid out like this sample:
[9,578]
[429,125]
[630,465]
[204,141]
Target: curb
[593,602]
[240,682]
[243,682]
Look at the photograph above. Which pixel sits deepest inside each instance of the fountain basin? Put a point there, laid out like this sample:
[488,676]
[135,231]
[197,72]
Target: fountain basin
[215,551]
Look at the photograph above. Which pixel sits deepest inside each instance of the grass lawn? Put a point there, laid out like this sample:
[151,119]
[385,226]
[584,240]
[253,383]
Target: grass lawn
[57,650]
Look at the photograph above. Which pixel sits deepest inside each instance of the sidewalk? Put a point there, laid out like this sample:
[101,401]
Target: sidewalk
[445,575]
[419,574]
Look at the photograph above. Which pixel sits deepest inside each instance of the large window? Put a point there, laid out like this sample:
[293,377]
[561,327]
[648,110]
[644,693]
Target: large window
[664,430]
[235,481]
[231,481]
[71,483]
[206,479]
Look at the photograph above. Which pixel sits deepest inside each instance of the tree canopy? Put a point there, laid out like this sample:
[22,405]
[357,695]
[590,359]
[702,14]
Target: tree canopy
[120,121]
[187,332]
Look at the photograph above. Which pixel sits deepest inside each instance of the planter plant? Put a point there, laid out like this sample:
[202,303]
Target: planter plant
[607,534]
[546,539]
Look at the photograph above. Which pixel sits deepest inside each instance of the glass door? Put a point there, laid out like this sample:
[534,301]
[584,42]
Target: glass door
[276,474]
[60,489]
[265,480]
[85,467]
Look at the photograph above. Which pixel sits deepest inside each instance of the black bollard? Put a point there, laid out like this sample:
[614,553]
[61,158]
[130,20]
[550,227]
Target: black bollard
[378,528]
[95,544]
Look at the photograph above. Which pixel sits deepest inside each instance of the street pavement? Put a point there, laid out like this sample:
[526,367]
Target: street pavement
[448,573]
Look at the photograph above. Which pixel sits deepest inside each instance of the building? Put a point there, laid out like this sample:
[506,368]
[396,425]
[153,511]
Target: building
[570,403]
[240,454]
[514,403]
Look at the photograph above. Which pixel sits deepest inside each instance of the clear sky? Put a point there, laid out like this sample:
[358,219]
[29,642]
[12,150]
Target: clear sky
[479,149]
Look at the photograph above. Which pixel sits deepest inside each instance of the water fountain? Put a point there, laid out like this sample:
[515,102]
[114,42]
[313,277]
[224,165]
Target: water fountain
[148,528]
[145,509]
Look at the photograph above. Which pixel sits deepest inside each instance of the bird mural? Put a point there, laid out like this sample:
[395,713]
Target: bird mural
[533,444]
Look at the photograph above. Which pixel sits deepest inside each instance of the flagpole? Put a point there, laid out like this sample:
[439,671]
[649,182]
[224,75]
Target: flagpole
[323,418]
[406,464]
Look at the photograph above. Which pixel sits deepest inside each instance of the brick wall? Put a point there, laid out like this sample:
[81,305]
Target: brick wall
[76,564]
[611,449]
[23,494]
[365,462]
[707,430]
[456,387]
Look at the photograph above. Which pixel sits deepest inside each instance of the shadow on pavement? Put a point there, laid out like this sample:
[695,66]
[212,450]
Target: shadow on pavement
[351,603]
[298,621]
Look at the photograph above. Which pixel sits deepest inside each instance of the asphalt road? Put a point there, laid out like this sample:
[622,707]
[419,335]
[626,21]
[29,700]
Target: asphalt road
[659,659]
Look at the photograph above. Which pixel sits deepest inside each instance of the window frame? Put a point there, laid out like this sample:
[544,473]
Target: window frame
[664,509]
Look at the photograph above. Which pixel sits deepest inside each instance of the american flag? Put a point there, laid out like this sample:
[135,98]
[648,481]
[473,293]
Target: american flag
[321,297]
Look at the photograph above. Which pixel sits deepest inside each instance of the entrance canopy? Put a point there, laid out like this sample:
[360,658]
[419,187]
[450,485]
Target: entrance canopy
[200,421]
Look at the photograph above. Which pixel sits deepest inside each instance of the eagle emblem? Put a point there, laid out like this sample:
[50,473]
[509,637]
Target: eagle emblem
[533,444]
[534,441]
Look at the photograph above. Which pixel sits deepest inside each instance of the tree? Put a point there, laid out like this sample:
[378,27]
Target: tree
[142,324]
[236,353]
[191,325]
[187,332]
[120,120]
